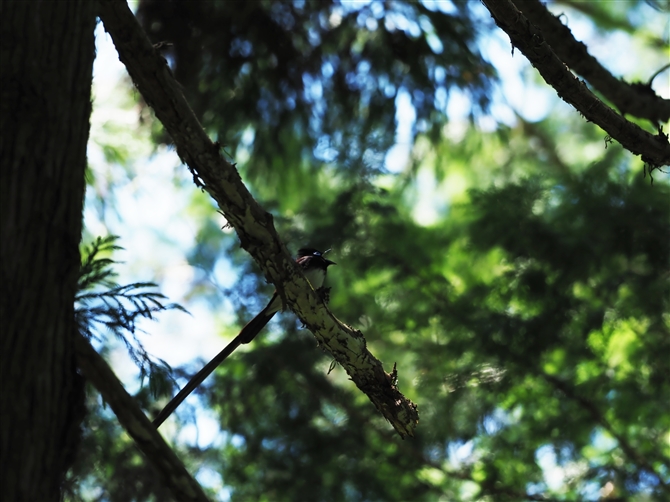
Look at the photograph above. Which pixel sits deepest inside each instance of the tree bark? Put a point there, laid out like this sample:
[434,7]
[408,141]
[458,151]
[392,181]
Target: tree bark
[47,51]
[254,226]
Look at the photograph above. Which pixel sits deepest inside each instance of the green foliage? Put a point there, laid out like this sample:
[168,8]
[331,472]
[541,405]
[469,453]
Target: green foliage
[530,324]
[296,84]
[575,319]
[548,345]
[529,319]
[100,302]
[317,442]
[109,466]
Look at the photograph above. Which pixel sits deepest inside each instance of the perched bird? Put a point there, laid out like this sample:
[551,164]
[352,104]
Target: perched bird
[314,266]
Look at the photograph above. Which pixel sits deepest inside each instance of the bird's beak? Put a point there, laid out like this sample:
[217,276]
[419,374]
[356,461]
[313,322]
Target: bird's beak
[328,262]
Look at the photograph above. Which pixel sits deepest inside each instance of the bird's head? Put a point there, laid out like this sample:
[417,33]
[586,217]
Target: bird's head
[303,252]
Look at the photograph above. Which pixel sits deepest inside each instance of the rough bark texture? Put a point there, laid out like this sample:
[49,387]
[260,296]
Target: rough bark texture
[47,51]
[148,440]
[636,99]
[253,225]
[653,149]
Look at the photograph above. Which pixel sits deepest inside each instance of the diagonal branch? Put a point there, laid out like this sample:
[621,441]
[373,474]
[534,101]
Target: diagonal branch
[638,99]
[654,150]
[253,225]
[148,440]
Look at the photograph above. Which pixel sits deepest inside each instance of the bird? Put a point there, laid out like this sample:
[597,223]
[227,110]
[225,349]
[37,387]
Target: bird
[314,266]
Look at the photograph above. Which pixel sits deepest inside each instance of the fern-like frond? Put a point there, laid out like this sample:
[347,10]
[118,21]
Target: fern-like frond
[102,306]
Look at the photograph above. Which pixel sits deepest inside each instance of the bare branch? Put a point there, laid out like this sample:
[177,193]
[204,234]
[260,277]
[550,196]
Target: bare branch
[654,150]
[131,417]
[253,225]
[638,99]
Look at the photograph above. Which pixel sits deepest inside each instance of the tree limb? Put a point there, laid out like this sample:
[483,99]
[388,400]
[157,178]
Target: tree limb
[654,150]
[638,99]
[253,225]
[134,421]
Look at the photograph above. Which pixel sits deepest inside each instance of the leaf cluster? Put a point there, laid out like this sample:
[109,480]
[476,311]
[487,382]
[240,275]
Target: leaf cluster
[296,84]
[102,303]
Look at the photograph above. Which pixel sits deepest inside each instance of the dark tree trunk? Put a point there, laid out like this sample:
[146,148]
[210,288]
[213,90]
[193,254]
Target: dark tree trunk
[47,51]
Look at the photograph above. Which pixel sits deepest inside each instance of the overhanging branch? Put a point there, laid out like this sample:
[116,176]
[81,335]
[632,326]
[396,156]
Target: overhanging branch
[638,100]
[253,225]
[654,149]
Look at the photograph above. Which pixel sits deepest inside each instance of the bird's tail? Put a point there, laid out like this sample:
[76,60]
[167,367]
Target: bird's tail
[253,327]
